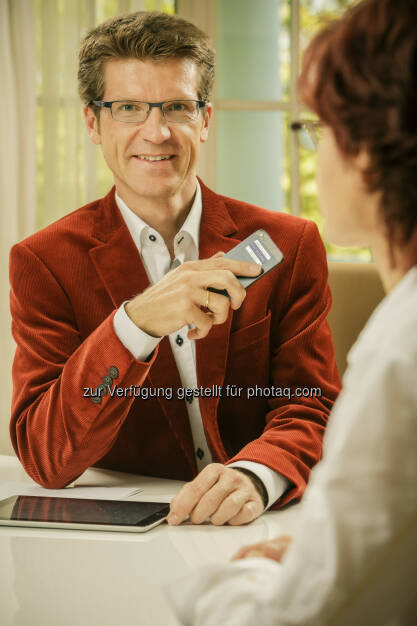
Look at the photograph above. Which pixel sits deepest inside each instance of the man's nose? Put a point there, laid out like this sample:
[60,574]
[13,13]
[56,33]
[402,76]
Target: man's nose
[155,127]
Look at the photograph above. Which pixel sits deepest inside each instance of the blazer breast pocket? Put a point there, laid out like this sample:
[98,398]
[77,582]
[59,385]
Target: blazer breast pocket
[258,332]
[249,354]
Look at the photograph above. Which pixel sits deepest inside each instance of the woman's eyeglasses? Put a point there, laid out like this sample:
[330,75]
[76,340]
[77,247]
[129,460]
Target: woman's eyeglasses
[309,133]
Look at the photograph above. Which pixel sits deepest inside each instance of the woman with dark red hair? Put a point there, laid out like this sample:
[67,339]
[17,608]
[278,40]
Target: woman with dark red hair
[352,560]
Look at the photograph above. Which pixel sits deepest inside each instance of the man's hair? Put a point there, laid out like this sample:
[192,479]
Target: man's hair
[360,76]
[144,35]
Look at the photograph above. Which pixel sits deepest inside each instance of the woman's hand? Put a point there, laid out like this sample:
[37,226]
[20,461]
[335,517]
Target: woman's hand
[272,549]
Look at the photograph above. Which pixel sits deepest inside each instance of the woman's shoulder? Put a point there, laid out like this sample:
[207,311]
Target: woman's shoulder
[391,332]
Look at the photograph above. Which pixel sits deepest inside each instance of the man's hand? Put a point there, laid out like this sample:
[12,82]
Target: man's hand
[176,300]
[220,493]
[272,549]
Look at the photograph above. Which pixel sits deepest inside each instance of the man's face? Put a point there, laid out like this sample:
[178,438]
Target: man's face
[126,146]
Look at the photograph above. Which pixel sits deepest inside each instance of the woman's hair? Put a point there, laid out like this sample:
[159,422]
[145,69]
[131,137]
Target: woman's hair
[360,76]
[143,35]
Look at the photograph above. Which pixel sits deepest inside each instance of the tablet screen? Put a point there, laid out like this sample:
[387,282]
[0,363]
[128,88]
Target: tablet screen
[82,511]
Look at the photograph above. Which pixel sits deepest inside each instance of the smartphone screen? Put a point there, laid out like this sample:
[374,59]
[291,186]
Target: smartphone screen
[257,248]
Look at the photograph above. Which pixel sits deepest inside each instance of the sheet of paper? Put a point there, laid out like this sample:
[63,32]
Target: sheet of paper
[14,488]
[151,497]
[157,490]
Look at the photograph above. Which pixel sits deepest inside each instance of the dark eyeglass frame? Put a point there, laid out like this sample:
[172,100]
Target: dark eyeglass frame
[313,128]
[108,105]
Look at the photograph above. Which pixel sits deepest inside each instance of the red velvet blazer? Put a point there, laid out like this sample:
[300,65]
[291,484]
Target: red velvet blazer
[67,282]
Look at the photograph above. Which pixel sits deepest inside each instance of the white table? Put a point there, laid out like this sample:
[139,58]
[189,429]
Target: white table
[88,578]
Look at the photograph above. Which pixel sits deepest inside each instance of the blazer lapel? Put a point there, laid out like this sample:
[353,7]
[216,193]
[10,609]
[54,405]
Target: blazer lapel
[116,257]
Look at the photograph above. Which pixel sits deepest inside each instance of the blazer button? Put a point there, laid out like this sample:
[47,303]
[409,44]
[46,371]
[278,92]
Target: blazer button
[107,380]
[113,372]
[101,390]
[189,399]
[200,453]
[96,399]
[179,340]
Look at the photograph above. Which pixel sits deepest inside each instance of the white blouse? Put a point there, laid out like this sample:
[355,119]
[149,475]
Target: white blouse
[353,560]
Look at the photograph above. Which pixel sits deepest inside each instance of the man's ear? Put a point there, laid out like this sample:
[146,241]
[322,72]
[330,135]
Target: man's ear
[208,110]
[92,125]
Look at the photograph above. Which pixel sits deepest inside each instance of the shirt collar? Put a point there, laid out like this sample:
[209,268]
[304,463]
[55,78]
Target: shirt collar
[136,224]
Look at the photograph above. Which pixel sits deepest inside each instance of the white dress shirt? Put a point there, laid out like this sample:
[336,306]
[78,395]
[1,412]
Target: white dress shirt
[353,561]
[157,262]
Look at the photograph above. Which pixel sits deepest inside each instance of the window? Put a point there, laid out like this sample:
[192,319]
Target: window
[259,48]
[251,153]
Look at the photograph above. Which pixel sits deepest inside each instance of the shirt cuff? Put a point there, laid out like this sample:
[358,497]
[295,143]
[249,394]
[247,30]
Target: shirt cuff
[139,343]
[274,483]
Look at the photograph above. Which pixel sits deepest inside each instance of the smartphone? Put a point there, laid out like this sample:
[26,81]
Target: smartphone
[257,248]
[82,514]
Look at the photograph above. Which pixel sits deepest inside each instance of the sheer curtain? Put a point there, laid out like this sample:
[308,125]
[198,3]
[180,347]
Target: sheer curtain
[71,171]
[17,166]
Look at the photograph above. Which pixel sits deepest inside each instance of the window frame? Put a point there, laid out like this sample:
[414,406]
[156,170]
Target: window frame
[204,15]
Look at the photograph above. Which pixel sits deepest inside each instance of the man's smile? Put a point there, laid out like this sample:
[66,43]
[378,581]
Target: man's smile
[154,157]
[154,160]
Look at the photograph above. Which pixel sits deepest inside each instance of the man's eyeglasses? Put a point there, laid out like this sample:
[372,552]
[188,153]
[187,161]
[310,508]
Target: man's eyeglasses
[309,133]
[134,112]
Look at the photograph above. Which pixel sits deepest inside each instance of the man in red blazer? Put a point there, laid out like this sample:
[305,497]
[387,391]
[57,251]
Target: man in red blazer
[124,360]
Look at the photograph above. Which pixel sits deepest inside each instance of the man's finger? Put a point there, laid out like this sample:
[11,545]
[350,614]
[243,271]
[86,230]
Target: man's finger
[201,321]
[214,499]
[239,268]
[217,304]
[226,498]
[192,492]
[250,511]
[230,507]
[223,280]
